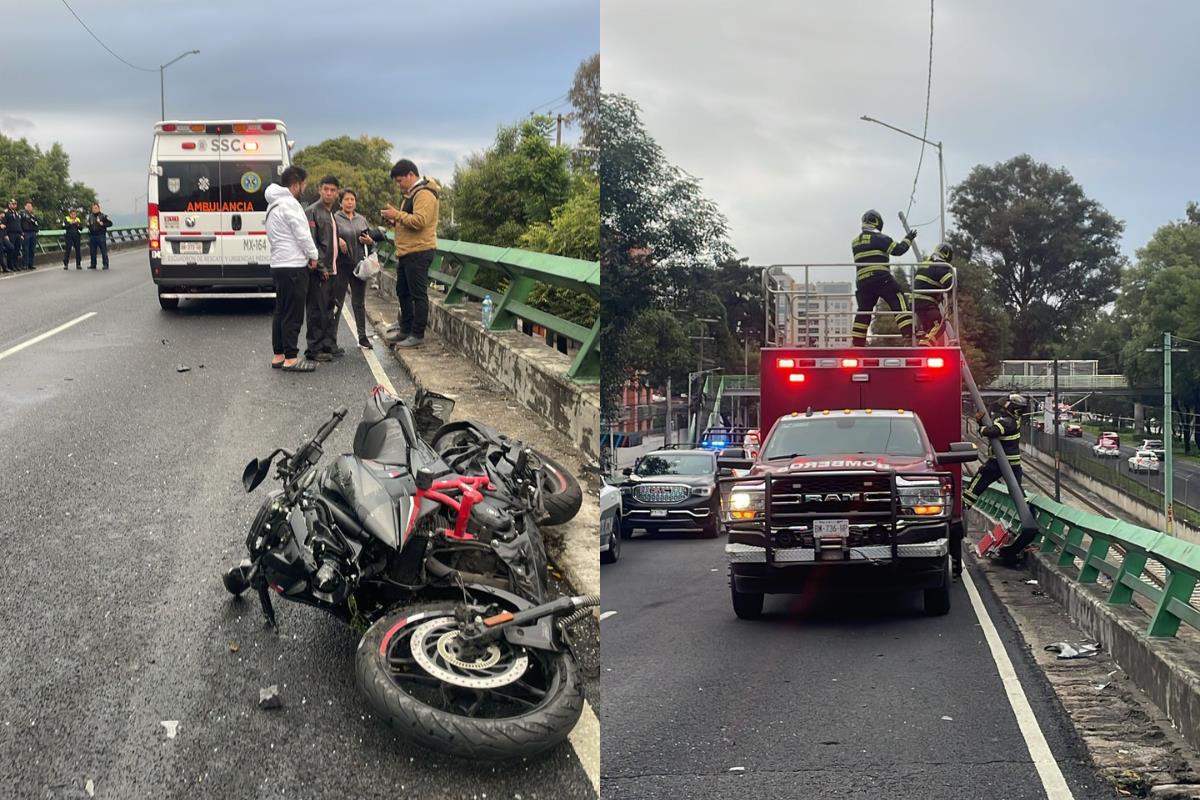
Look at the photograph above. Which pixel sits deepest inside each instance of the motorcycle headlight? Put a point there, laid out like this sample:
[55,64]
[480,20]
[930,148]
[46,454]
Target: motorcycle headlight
[746,504]
[924,498]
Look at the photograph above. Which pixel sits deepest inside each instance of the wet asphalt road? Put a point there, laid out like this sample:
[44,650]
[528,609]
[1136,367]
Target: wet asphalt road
[120,505]
[820,699]
[1187,474]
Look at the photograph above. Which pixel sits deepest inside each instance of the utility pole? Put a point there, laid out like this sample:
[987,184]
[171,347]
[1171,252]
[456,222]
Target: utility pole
[1168,432]
[558,135]
[1057,453]
[668,422]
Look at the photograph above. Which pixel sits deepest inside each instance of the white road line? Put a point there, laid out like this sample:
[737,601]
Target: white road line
[26,274]
[606,615]
[43,336]
[585,736]
[1043,760]
[372,359]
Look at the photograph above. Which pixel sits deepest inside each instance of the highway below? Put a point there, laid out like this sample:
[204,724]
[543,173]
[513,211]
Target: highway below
[128,670]
[1187,473]
[858,698]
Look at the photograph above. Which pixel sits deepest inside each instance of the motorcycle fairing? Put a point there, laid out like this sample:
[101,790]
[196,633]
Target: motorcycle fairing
[382,515]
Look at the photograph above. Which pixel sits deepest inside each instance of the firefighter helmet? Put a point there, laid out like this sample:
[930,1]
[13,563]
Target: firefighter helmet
[1016,402]
[872,221]
[943,252]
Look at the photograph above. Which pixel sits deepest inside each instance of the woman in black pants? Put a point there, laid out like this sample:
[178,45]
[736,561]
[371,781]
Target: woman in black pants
[355,240]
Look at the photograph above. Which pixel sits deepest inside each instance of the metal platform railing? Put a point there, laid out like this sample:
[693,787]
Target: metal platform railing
[801,317]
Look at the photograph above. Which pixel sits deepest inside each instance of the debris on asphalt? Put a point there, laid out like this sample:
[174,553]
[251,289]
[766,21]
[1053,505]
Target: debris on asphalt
[1037,593]
[737,769]
[172,726]
[1074,649]
[947,719]
[166,341]
[1031,582]
[182,368]
[90,788]
[234,647]
[269,697]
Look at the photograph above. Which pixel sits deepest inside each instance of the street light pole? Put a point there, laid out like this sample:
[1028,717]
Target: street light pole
[1168,433]
[941,168]
[162,93]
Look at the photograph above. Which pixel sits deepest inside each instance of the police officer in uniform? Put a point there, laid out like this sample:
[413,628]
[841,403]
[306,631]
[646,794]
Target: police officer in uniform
[30,225]
[936,277]
[873,276]
[14,246]
[73,235]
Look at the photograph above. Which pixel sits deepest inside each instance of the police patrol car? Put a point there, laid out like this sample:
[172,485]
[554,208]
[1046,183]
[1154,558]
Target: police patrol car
[208,237]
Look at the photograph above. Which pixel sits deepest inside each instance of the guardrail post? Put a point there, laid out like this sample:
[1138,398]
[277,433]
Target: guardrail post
[518,292]
[467,270]
[1073,537]
[1133,564]
[1097,550]
[1180,585]
[586,366]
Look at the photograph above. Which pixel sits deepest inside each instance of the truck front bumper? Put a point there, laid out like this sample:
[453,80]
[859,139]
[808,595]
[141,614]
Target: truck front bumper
[917,566]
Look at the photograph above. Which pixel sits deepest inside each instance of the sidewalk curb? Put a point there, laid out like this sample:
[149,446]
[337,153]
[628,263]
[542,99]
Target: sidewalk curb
[578,558]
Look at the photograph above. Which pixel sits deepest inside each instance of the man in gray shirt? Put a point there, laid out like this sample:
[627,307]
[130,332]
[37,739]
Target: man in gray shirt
[322,336]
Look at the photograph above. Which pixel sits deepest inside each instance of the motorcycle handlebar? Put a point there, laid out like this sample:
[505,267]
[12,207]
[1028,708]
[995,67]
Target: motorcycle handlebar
[327,428]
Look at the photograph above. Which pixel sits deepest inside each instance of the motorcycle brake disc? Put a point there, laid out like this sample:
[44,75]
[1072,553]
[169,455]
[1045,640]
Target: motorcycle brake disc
[432,644]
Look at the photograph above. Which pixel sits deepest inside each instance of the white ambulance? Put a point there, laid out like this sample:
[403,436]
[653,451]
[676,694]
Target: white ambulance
[206,207]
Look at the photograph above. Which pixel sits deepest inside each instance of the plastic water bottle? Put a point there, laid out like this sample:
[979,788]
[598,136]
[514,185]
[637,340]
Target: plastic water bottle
[488,308]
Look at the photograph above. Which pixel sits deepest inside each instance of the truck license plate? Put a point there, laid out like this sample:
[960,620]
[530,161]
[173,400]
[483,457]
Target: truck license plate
[831,527]
[658,512]
[191,247]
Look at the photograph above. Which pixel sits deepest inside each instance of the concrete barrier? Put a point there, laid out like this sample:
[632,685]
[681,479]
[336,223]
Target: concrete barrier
[533,372]
[1166,669]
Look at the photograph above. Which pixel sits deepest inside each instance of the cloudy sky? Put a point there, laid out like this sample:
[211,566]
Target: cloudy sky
[435,79]
[762,101]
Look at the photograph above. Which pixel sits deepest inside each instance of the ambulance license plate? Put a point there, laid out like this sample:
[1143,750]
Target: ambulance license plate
[191,247]
[831,527]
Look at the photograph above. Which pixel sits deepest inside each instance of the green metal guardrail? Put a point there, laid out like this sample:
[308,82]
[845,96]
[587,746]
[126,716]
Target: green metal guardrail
[457,264]
[57,237]
[1063,530]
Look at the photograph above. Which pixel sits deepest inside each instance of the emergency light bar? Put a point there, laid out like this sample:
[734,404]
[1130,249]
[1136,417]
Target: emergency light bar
[932,362]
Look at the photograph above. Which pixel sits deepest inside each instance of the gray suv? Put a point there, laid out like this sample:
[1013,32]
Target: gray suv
[672,491]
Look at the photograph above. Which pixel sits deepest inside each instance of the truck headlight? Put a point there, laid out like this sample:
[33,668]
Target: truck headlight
[923,498]
[746,504]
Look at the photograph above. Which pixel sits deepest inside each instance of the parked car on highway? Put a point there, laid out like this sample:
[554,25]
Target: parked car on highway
[1075,430]
[610,523]
[672,490]
[1144,461]
[1156,446]
[1107,446]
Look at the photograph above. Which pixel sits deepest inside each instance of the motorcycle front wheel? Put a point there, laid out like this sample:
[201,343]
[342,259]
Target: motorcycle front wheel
[510,702]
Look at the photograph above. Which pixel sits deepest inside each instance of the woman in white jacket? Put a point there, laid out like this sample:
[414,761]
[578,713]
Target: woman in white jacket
[293,254]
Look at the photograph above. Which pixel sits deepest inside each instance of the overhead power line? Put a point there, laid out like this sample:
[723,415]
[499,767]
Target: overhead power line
[924,130]
[102,44]
[547,103]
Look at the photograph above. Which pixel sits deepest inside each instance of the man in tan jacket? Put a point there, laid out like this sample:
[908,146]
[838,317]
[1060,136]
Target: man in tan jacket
[416,224]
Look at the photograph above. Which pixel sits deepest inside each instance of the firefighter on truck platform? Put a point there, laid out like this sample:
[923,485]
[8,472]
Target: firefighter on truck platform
[1006,426]
[873,276]
[935,276]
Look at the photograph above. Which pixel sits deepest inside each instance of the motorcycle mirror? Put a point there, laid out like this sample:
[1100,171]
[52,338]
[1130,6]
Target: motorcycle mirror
[254,473]
[424,478]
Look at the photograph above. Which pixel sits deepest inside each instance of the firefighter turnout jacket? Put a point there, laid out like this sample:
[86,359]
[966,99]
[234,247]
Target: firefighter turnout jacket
[872,252]
[932,275]
[1007,429]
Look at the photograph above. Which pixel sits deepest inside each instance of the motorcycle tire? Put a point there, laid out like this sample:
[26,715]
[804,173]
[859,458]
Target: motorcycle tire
[522,736]
[562,496]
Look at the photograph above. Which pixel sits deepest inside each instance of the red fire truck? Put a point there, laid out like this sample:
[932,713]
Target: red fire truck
[858,483]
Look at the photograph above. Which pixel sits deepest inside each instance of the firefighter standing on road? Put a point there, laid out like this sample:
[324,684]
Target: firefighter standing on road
[873,276]
[1006,426]
[936,277]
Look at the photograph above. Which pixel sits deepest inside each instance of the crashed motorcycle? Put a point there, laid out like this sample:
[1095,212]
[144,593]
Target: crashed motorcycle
[472,448]
[463,653]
